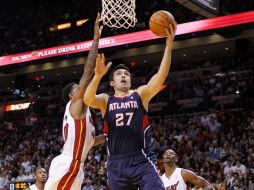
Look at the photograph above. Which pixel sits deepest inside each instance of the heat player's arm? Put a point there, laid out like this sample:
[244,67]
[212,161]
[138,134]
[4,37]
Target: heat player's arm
[100,139]
[90,61]
[27,188]
[147,92]
[88,69]
[191,177]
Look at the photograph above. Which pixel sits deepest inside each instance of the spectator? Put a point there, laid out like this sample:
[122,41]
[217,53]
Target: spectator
[236,185]
[214,125]
[88,185]
[228,168]
[3,179]
[240,168]
[21,177]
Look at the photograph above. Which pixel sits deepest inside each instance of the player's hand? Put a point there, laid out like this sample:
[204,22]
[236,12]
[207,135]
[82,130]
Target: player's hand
[171,34]
[97,27]
[100,68]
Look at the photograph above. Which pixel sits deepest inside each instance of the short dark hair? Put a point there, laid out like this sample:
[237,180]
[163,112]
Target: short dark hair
[120,66]
[38,168]
[66,91]
[170,150]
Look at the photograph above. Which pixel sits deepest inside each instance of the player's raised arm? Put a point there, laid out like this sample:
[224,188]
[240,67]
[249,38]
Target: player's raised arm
[192,178]
[90,62]
[154,85]
[90,97]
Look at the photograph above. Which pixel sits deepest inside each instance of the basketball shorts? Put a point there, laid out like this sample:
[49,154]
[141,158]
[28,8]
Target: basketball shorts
[65,173]
[133,172]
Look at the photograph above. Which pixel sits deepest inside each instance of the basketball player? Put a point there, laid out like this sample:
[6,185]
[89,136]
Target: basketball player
[126,126]
[66,170]
[40,179]
[176,178]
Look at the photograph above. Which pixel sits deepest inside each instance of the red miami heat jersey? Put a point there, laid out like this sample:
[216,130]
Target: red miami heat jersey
[66,170]
[175,181]
[78,135]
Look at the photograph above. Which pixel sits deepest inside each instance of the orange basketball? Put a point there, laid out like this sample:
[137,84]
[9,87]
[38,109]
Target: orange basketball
[159,21]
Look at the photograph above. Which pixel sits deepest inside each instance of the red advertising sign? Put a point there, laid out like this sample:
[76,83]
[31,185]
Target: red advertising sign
[185,28]
[21,106]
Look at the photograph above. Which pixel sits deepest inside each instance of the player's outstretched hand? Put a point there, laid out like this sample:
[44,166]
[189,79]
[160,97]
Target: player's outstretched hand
[97,27]
[171,34]
[101,69]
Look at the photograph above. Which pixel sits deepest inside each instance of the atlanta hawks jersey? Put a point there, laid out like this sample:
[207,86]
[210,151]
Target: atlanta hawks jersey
[175,181]
[126,126]
[78,135]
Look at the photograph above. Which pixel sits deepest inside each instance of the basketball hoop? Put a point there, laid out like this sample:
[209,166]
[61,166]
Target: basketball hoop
[119,13]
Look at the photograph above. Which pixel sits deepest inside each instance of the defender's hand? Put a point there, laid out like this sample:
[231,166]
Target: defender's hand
[101,69]
[97,27]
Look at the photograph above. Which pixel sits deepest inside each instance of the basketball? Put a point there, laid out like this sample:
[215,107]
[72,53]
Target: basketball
[159,21]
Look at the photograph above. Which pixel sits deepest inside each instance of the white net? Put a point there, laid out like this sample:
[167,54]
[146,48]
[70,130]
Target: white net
[118,13]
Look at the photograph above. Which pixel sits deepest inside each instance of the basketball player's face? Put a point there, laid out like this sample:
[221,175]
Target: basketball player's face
[121,80]
[41,175]
[169,157]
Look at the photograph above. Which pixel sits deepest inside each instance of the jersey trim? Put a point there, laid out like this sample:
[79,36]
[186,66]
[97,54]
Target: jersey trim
[80,134]
[68,179]
[155,168]
[131,93]
[145,122]
[66,128]
[145,135]
[105,128]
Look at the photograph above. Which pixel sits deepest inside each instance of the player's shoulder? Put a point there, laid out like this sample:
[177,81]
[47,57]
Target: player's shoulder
[103,97]
[187,175]
[185,171]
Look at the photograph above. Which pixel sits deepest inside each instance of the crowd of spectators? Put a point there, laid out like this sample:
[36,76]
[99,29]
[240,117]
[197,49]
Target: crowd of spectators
[222,76]
[25,26]
[217,145]
[23,36]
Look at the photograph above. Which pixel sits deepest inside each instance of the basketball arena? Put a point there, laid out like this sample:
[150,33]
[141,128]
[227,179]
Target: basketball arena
[165,88]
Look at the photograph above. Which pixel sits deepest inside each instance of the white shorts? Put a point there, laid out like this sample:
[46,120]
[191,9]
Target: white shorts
[65,174]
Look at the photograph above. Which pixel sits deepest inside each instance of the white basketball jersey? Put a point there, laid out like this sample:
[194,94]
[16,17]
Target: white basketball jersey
[78,135]
[175,181]
[33,187]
